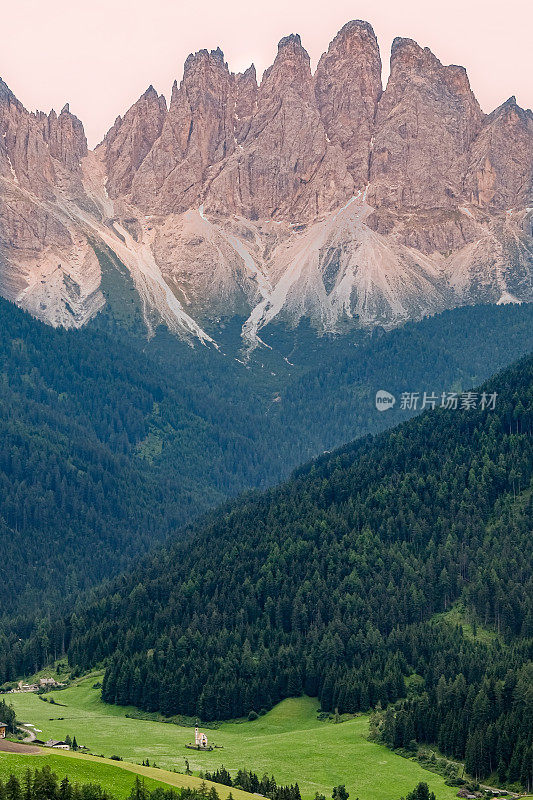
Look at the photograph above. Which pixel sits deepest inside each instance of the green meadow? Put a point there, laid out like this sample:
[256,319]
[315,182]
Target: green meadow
[289,742]
[79,770]
[116,777]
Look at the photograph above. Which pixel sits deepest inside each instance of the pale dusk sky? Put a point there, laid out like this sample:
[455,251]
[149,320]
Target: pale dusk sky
[100,56]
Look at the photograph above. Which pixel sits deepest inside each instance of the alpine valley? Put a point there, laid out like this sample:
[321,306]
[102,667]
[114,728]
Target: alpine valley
[207,519]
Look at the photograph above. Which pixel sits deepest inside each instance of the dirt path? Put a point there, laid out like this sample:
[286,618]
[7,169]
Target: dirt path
[31,735]
[17,747]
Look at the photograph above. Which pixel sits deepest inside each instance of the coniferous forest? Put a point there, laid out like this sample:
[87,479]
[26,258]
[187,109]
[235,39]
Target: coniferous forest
[266,401]
[341,583]
[336,583]
[110,443]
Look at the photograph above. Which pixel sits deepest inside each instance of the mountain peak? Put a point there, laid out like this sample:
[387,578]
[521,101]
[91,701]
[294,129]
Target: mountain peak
[149,91]
[5,91]
[510,108]
[249,73]
[347,88]
[291,67]
[299,150]
[131,138]
[293,39]
[7,95]
[357,26]
[204,57]
[426,122]
[410,55]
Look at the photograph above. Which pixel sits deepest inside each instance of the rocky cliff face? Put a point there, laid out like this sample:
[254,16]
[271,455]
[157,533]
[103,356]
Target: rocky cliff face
[46,262]
[38,150]
[131,139]
[426,122]
[348,89]
[499,173]
[284,168]
[320,196]
[197,133]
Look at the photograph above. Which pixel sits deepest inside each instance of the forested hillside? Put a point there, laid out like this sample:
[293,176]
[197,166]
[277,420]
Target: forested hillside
[329,584]
[110,442]
[83,417]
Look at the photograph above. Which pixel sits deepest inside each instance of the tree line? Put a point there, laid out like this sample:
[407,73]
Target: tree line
[487,723]
[43,784]
[250,782]
[327,585]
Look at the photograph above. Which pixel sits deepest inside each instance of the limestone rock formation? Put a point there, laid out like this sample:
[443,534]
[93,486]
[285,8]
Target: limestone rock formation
[245,102]
[196,134]
[426,122]
[318,196]
[131,138]
[46,263]
[500,170]
[284,168]
[348,89]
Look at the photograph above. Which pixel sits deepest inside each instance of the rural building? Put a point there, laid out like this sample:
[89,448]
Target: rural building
[49,683]
[3,729]
[43,683]
[58,745]
[26,687]
[200,741]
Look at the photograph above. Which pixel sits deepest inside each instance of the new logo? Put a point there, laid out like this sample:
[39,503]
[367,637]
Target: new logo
[384,400]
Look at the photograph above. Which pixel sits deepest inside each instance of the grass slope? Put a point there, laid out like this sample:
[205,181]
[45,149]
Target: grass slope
[288,742]
[116,777]
[457,616]
[79,770]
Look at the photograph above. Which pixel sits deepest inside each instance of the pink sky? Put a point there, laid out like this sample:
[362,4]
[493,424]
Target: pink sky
[100,56]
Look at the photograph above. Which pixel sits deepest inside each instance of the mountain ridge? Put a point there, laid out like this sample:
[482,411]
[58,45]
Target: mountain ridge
[305,195]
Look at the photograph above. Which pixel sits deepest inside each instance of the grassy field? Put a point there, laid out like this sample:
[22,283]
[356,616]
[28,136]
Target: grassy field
[288,742]
[457,616]
[118,781]
[116,777]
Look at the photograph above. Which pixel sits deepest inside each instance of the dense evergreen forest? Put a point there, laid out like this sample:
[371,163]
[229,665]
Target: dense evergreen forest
[81,493]
[110,442]
[336,584]
[332,584]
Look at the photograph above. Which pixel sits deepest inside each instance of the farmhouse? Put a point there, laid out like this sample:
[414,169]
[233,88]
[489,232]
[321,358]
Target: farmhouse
[26,687]
[43,683]
[3,729]
[49,683]
[58,745]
